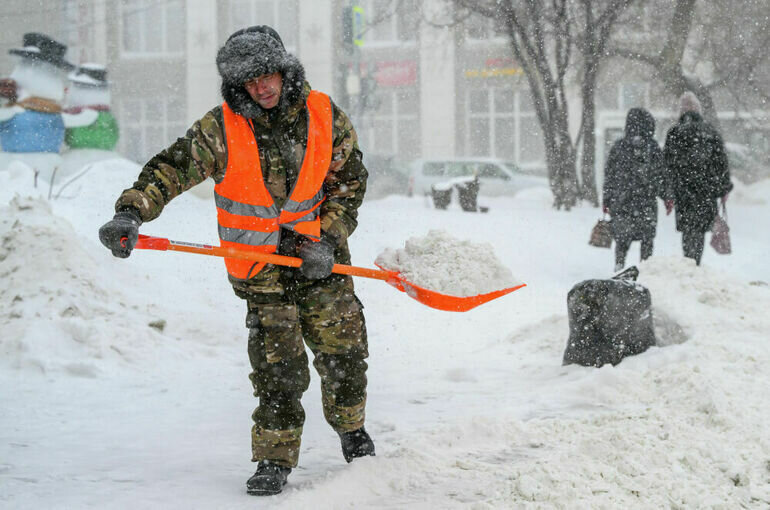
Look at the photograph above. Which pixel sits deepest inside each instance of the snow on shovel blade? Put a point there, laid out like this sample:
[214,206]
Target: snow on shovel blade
[425,296]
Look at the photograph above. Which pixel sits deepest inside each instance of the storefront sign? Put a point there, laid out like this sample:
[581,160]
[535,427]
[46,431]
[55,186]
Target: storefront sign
[496,67]
[395,73]
[489,73]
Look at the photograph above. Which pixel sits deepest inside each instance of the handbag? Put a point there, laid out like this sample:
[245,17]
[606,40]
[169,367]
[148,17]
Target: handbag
[720,233]
[600,234]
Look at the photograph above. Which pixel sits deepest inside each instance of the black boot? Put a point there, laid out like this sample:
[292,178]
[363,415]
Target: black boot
[356,444]
[268,480]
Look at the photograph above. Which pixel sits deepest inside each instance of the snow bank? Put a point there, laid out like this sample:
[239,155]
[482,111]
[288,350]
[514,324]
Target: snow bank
[61,309]
[448,265]
[18,178]
[675,427]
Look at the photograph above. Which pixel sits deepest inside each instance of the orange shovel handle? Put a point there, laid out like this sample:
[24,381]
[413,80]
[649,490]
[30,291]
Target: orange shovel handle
[163,244]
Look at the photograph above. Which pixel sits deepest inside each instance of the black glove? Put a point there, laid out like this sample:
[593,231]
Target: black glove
[121,233]
[317,259]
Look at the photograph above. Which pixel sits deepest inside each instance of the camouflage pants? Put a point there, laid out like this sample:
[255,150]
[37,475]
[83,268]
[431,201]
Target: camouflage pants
[328,317]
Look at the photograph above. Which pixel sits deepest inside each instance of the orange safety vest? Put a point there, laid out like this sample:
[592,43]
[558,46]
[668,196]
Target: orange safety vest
[246,212]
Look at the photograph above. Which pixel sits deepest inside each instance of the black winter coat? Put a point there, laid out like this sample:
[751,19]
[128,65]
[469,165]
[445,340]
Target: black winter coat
[634,176]
[698,171]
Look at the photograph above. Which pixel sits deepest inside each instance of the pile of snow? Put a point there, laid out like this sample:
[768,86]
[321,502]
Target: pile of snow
[55,176]
[63,310]
[17,177]
[675,427]
[448,265]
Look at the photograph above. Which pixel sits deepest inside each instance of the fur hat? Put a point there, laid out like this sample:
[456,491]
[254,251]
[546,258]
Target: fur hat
[253,52]
[688,102]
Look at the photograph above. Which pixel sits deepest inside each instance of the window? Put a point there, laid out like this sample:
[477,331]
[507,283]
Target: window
[492,172]
[501,123]
[153,28]
[633,95]
[394,128]
[148,125]
[480,28]
[530,147]
[81,38]
[491,122]
[460,169]
[390,23]
[279,14]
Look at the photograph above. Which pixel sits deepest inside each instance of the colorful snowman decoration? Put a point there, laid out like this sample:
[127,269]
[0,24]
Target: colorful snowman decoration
[87,116]
[30,113]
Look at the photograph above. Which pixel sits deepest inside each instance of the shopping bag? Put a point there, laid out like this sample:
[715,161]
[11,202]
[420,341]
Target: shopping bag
[720,233]
[600,235]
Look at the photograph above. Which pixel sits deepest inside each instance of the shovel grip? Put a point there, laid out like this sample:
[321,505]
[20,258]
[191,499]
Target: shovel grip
[150,243]
[160,243]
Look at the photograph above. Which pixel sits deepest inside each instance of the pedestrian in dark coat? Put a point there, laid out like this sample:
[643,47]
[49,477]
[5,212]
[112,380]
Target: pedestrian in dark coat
[633,177]
[698,173]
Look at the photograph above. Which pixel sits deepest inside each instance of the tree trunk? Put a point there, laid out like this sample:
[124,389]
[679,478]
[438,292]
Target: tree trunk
[588,161]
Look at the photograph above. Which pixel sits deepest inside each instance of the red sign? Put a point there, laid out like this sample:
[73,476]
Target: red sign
[396,72]
[500,62]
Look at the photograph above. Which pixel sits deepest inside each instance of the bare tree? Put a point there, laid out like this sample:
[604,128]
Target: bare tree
[541,39]
[666,62]
[732,37]
[595,20]
[543,35]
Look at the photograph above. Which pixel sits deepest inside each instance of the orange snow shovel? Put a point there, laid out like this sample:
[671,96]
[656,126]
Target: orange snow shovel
[425,296]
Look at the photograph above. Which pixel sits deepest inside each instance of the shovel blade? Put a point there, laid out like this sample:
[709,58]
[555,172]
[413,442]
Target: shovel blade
[445,302]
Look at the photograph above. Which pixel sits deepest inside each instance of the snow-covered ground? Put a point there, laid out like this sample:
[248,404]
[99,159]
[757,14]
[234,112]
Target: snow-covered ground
[123,383]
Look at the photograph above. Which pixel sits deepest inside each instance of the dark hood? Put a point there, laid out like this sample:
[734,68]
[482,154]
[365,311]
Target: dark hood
[639,122]
[251,53]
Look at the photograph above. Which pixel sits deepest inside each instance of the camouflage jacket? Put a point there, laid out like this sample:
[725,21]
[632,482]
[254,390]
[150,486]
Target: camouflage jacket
[281,136]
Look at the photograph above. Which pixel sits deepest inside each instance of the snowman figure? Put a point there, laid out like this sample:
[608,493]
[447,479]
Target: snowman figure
[87,117]
[30,115]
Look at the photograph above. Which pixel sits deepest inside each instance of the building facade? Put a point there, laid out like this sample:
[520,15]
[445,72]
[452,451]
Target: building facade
[413,89]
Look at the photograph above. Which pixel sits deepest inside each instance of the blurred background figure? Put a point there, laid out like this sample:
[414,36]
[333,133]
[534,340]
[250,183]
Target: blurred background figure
[634,177]
[87,116]
[699,174]
[30,119]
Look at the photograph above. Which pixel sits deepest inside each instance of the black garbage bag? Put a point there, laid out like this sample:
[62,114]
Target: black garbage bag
[608,320]
[442,196]
[468,193]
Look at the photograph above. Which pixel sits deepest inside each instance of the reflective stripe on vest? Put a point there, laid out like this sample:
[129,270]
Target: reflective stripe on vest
[246,212]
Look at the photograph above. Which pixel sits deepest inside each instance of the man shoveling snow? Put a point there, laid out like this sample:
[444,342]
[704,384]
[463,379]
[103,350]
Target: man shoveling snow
[302,201]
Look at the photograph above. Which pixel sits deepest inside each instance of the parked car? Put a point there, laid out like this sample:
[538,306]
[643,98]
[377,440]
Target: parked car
[496,176]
